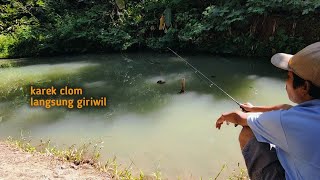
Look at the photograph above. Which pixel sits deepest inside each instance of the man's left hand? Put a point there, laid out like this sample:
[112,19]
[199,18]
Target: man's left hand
[236,117]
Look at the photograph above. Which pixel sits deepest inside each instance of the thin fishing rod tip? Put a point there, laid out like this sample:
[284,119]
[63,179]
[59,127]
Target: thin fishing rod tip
[206,78]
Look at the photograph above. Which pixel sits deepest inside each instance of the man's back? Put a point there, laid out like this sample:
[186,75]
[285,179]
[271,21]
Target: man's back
[301,127]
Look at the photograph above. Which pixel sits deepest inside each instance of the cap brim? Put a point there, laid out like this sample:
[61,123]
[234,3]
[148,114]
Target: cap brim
[281,60]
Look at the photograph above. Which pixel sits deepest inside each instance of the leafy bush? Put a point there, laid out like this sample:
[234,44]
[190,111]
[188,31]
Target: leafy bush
[238,27]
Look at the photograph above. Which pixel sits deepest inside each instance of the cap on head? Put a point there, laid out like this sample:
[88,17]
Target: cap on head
[305,64]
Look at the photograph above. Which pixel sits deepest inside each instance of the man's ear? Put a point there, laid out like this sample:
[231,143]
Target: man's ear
[306,86]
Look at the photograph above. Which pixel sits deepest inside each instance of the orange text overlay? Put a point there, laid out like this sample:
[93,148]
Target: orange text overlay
[39,98]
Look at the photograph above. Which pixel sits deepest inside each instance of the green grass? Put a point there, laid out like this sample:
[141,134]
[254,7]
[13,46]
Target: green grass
[89,153]
[8,63]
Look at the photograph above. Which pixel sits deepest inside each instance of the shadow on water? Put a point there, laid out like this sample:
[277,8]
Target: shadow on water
[234,75]
[128,80]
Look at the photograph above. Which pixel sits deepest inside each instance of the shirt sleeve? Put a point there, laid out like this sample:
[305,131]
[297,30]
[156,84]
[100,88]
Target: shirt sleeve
[267,128]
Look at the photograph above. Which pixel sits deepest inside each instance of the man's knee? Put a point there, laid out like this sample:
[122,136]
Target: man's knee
[261,161]
[245,135]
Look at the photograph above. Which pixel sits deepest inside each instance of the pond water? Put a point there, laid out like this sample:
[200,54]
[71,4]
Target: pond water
[145,124]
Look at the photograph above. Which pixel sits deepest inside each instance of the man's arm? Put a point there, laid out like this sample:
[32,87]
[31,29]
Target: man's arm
[236,117]
[266,126]
[250,108]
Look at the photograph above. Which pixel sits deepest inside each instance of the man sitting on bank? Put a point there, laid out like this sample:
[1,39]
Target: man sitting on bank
[281,142]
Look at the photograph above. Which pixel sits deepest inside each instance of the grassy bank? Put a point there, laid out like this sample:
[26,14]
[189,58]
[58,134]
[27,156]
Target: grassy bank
[89,154]
[78,155]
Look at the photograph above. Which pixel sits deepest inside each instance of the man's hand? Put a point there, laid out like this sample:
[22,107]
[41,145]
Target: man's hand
[236,117]
[248,107]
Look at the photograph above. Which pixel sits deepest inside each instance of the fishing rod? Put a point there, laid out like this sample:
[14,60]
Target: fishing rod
[209,80]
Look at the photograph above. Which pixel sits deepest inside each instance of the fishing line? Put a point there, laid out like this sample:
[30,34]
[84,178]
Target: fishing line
[209,81]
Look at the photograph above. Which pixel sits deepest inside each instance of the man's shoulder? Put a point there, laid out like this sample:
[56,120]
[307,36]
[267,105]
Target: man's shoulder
[310,103]
[304,114]
[305,106]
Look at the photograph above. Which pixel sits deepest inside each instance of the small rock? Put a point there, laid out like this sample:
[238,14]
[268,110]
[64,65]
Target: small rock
[76,163]
[87,161]
[87,166]
[161,82]
[74,166]
[56,175]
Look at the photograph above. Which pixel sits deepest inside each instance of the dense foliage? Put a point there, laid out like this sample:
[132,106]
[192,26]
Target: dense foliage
[237,27]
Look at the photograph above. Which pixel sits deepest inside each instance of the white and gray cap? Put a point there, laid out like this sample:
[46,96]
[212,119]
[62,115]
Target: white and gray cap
[305,63]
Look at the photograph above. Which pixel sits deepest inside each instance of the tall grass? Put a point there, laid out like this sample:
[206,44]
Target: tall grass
[89,153]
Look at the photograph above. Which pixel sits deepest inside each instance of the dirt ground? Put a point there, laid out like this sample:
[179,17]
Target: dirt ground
[15,164]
